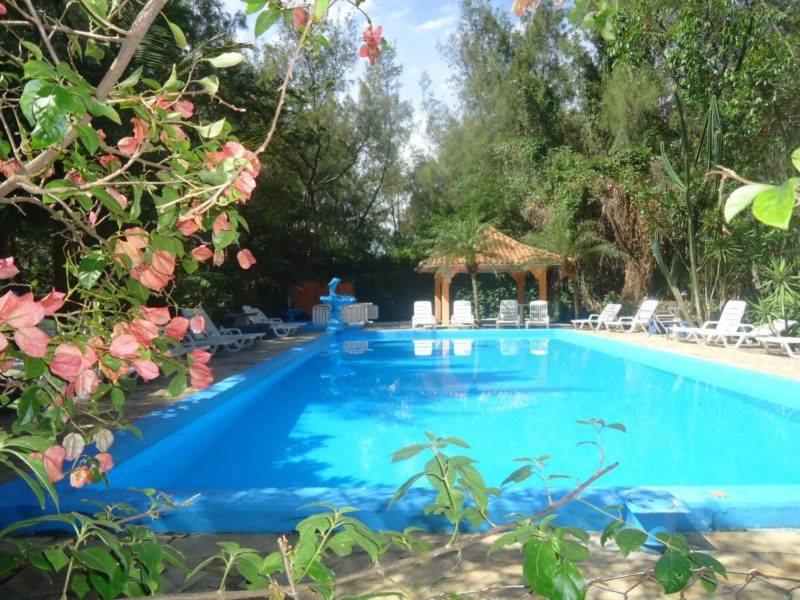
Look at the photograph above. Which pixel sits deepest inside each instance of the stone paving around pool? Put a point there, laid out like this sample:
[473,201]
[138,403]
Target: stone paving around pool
[775,553]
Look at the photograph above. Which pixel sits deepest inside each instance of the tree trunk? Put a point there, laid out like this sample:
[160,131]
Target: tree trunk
[474,278]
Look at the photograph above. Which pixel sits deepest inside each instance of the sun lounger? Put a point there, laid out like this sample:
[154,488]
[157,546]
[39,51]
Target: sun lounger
[462,314]
[423,315]
[598,321]
[508,314]
[639,322]
[537,314]
[231,339]
[728,330]
[783,345]
[257,317]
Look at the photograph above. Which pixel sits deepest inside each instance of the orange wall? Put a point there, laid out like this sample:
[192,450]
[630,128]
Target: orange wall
[307,295]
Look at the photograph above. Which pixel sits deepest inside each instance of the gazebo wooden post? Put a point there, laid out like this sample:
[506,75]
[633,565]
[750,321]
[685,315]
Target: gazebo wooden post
[437,297]
[541,276]
[446,278]
[520,279]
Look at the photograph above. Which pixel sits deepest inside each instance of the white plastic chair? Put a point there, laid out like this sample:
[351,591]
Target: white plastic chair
[257,317]
[321,314]
[423,315]
[728,330]
[598,321]
[537,314]
[508,314]
[462,314]
[638,322]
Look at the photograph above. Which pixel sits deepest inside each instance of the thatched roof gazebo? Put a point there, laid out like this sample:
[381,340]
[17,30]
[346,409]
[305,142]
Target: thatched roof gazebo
[504,255]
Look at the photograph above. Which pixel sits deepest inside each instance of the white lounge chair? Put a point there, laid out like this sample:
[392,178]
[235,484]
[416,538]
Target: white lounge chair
[537,314]
[508,314]
[423,315]
[729,330]
[638,322]
[230,338]
[784,345]
[598,321]
[462,314]
[321,314]
[257,317]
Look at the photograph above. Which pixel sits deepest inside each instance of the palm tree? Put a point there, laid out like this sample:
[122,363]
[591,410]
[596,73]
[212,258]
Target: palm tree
[462,237]
[576,246]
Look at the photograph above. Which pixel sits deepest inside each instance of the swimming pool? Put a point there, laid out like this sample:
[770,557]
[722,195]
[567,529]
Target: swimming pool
[718,445]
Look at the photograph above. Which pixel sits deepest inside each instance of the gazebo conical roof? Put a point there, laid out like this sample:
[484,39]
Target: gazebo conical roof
[503,253]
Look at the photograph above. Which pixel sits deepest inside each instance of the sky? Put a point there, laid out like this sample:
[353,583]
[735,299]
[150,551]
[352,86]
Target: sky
[415,28]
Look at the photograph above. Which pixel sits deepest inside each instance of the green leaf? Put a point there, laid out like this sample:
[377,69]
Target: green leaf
[108,201]
[253,6]
[568,583]
[211,130]
[401,491]
[775,206]
[210,84]
[610,531]
[618,427]
[9,561]
[407,452]
[539,567]
[796,159]
[743,197]
[226,59]
[266,20]
[34,69]
[98,109]
[33,49]
[520,474]
[673,570]
[456,442]
[708,562]
[177,33]
[88,137]
[321,9]
[629,540]
[91,268]
[80,585]
[131,79]
[94,51]
[56,557]
[29,94]
[177,385]
[98,559]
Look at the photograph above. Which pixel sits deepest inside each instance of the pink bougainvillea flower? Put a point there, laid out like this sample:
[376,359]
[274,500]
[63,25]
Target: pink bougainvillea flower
[147,369]
[183,107]
[7,268]
[245,258]
[163,262]
[121,198]
[300,17]
[221,223]
[108,161]
[189,225]
[67,362]
[128,145]
[80,477]
[372,46]
[140,129]
[92,217]
[53,459]
[520,7]
[172,133]
[105,462]
[144,331]
[3,10]
[244,184]
[219,257]
[53,302]
[177,328]
[32,341]
[200,375]
[20,311]
[132,246]
[3,343]
[197,325]
[158,274]
[200,356]
[76,178]
[202,253]
[86,384]
[9,167]
[158,315]
[124,346]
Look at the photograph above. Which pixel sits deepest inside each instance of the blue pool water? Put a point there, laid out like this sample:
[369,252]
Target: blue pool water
[324,425]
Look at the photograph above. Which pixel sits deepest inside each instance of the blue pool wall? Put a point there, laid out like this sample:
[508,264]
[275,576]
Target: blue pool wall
[269,510]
